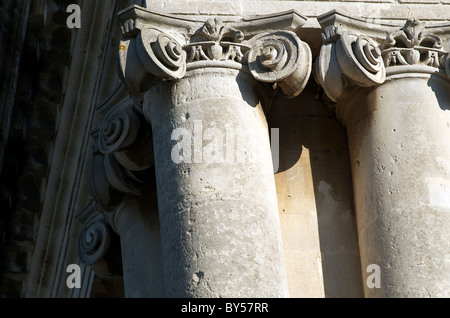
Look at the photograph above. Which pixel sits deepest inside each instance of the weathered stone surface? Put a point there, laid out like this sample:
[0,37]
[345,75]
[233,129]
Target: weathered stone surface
[401,175]
[136,220]
[201,82]
[315,199]
[218,218]
[395,127]
[68,90]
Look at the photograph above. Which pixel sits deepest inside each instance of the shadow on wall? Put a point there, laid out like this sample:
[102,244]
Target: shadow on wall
[322,183]
[442,95]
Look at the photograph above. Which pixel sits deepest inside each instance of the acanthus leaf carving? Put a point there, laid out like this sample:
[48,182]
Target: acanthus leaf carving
[412,45]
[411,35]
[216,41]
[214,51]
[215,30]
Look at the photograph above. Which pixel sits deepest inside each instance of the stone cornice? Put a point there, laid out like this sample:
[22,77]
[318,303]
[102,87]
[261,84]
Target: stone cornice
[357,54]
[157,46]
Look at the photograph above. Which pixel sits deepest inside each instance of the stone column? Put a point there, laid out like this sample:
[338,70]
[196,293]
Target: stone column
[220,231]
[203,86]
[393,94]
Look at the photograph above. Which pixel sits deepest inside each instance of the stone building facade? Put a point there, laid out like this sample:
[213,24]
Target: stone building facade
[225,148]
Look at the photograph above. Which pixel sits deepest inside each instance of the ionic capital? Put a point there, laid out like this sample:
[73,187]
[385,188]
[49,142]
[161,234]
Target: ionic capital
[358,54]
[163,47]
[121,166]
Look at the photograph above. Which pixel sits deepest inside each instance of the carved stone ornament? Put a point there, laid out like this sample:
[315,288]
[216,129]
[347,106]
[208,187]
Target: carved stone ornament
[349,59]
[98,245]
[413,44]
[161,54]
[280,57]
[149,53]
[216,42]
[118,130]
[121,165]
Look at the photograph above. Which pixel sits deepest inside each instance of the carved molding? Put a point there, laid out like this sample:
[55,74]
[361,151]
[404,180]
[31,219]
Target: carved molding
[156,48]
[350,59]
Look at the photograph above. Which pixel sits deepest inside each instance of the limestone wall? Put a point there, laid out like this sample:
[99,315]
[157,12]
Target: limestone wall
[315,199]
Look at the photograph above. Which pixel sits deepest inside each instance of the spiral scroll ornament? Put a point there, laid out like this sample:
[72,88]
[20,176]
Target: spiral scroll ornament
[281,57]
[93,242]
[118,131]
[360,59]
[99,247]
[161,54]
[124,157]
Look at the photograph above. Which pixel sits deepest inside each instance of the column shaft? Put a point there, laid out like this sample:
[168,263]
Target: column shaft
[400,149]
[218,210]
[137,223]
